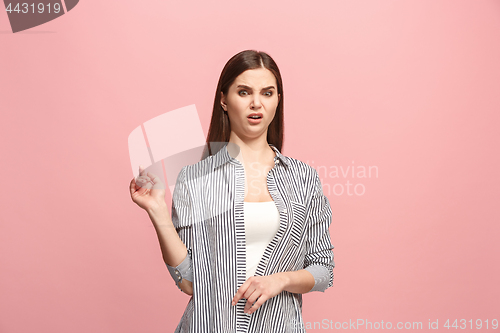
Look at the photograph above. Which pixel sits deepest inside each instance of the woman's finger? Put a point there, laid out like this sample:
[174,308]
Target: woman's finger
[141,180]
[251,299]
[132,186]
[258,303]
[142,171]
[153,177]
[156,181]
[140,183]
[250,291]
[148,185]
[240,292]
[143,186]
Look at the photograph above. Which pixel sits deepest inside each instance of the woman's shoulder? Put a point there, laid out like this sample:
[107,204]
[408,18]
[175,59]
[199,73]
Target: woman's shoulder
[299,167]
[203,167]
[198,168]
[303,178]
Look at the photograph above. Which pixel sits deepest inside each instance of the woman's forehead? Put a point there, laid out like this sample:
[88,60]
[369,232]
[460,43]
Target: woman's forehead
[256,78]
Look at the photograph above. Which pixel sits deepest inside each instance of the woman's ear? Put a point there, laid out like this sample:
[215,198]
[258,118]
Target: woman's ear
[223,101]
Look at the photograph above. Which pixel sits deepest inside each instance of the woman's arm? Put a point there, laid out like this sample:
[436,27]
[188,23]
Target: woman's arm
[298,282]
[173,249]
[258,289]
[174,233]
[319,256]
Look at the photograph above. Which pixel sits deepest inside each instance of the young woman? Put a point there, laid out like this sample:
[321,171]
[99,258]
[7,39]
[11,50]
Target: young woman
[248,233]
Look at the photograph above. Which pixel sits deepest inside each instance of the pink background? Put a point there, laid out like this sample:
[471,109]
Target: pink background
[410,87]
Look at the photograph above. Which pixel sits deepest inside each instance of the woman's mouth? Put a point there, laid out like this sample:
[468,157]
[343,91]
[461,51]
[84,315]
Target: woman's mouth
[255,118]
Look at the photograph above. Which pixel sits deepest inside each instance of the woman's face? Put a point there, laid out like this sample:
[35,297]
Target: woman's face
[253,92]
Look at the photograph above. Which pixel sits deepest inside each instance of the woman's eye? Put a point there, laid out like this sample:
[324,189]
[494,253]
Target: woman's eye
[269,92]
[243,92]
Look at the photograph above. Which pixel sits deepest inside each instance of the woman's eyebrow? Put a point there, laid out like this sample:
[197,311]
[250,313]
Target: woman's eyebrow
[247,87]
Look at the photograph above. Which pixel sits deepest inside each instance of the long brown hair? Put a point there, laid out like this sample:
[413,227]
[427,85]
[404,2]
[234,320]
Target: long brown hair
[220,127]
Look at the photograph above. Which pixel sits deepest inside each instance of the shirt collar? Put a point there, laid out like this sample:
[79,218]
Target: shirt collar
[223,156]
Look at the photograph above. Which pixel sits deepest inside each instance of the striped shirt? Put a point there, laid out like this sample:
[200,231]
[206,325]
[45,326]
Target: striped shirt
[208,214]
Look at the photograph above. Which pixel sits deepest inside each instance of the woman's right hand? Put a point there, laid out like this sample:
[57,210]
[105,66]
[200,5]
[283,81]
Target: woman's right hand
[147,191]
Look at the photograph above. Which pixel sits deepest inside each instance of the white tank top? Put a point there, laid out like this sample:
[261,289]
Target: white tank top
[262,221]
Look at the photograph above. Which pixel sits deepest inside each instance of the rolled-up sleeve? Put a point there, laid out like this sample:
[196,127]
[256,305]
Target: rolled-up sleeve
[181,210]
[319,257]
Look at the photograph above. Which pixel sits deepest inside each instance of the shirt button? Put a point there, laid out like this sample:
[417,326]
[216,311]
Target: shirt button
[277,161]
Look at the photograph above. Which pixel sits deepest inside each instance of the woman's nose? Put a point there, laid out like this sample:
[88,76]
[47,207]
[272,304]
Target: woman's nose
[256,101]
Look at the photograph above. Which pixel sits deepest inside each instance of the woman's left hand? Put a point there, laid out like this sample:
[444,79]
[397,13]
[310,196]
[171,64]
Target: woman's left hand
[259,289]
